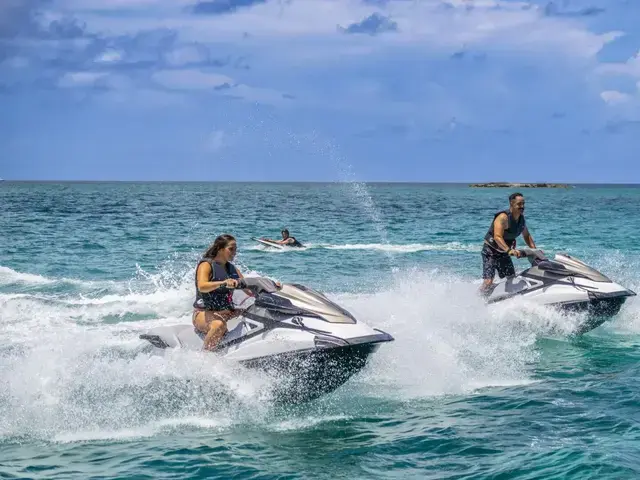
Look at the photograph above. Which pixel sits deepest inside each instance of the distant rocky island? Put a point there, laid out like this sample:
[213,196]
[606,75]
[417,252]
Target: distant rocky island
[519,185]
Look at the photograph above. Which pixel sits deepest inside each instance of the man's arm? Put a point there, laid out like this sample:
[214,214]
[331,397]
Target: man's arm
[499,224]
[279,242]
[528,238]
[284,241]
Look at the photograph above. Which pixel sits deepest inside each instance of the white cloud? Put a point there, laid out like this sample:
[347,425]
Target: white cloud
[109,56]
[276,35]
[104,80]
[499,24]
[115,5]
[186,54]
[79,79]
[631,67]
[614,97]
[191,79]
[630,102]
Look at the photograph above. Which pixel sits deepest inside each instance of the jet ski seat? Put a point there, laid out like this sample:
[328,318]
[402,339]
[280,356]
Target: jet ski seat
[552,267]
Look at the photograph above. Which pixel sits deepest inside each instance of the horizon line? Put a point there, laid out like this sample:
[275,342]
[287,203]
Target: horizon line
[449,182]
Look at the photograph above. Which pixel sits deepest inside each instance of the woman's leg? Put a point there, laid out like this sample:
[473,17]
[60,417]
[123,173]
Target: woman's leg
[217,329]
[213,325]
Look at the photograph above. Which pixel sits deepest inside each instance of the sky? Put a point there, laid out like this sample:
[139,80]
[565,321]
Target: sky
[320,90]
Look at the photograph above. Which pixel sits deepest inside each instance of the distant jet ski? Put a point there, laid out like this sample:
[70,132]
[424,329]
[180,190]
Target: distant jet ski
[274,244]
[268,243]
[287,240]
[566,283]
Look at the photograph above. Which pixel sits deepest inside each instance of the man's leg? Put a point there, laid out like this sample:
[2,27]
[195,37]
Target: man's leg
[505,267]
[488,272]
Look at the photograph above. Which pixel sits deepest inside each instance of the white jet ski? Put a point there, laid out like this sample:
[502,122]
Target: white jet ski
[295,333]
[268,243]
[566,283]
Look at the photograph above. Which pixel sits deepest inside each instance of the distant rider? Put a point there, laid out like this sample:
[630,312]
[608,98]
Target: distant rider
[500,242]
[286,240]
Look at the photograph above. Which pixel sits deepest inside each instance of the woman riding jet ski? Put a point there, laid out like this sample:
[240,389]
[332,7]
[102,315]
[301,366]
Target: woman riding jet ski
[564,282]
[290,331]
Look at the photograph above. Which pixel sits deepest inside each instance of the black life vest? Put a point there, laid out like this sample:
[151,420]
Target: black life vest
[295,242]
[513,231]
[221,298]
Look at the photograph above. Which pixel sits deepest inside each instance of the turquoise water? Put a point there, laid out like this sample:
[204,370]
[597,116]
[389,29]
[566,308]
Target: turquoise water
[463,392]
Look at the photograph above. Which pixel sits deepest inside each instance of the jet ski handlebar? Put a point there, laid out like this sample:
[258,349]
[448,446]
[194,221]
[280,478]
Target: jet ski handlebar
[257,284]
[534,255]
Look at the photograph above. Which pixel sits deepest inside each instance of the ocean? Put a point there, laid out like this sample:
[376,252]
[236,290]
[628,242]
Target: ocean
[463,392]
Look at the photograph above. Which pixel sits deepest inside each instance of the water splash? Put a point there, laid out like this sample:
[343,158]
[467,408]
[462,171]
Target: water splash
[87,375]
[327,150]
[383,247]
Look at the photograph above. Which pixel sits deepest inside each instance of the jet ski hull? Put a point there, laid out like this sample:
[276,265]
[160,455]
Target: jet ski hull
[566,284]
[304,375]
[597,306]
[598,310]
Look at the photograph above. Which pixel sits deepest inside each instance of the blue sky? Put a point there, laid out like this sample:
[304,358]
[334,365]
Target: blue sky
[320,90]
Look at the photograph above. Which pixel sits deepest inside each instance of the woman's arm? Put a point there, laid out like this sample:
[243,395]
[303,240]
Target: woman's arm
[206,286]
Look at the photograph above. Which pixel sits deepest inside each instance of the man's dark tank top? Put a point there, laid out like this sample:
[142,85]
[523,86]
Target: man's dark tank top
[513,230]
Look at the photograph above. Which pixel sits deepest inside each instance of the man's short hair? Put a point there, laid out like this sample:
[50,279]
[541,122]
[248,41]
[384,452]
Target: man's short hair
[513,196]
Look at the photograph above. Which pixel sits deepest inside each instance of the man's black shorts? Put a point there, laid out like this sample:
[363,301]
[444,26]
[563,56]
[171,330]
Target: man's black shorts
[493,261]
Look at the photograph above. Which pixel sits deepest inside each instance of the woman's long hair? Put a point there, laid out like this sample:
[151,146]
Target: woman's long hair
[221,242]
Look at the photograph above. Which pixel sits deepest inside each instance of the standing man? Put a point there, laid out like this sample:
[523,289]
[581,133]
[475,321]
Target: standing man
[500,242]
